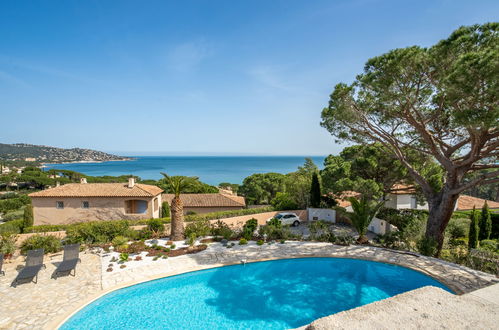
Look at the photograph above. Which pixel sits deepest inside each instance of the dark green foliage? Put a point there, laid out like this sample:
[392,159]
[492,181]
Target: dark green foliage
[45,228]
[262,188]
[249,228]
[495,225]
[427,246]
[165,210]
[315,191]
[364,211]
[489,245]
[13,203]
[96,232]
[7,243]
[221,229]
[49,243]
[458,228]
[474,230]
[485,223]
[283,201]
[145,233]
[28,216]
[12,227]
[229,186]
[406,220]
[198,228]
[156,225]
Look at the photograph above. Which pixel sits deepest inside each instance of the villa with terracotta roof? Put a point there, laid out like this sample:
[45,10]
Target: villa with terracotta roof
[206,203]
[80,202]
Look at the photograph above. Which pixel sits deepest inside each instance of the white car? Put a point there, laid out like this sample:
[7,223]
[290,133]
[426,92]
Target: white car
[287,219]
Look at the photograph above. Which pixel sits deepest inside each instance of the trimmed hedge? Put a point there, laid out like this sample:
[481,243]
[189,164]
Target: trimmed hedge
[495,225]
[12,227]
[227,214]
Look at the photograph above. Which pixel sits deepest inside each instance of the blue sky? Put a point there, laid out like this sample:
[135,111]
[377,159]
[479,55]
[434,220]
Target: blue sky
[190,77]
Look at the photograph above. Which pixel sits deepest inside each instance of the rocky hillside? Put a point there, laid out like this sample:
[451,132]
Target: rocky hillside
[30,152]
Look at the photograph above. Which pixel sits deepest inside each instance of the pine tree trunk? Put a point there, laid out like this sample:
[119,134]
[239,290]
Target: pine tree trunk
[177,212]
[441,207]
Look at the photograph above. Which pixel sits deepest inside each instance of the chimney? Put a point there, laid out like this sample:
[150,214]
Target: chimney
[57,184]
[131,182]
[83,180]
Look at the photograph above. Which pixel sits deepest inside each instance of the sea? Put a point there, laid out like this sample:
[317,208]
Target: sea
[210,169]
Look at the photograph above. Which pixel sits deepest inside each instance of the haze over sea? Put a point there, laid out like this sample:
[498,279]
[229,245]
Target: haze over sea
[210,169]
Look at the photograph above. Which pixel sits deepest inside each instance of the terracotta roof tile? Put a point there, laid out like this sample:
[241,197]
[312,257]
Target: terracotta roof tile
[208,200]
[99,190]
[466,202]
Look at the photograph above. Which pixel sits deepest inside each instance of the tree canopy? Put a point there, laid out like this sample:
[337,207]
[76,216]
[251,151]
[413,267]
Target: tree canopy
[438,103]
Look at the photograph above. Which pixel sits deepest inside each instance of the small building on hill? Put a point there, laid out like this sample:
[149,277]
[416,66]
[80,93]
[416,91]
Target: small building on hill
[81,202]
[206,203]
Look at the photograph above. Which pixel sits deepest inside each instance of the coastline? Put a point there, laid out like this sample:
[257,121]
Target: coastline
[44,165]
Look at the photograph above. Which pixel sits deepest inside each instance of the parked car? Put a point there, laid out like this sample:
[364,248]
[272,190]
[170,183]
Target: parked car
[287,219]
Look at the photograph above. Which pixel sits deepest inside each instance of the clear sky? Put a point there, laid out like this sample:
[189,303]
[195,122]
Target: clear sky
[184,77]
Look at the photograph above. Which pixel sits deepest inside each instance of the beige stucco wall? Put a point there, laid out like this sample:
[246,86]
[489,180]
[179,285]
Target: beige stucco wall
[111,208]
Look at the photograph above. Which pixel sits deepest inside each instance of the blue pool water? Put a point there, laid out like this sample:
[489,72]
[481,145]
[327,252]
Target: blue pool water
[279,294]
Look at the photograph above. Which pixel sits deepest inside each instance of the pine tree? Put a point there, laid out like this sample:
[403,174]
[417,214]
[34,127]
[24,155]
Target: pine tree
[474,230]
[485,223]
[315,191]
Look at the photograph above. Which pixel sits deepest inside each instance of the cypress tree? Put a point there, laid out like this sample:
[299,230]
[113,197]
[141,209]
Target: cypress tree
[315,191]
[474,230]
[165,210]
[485,223]
[28,216]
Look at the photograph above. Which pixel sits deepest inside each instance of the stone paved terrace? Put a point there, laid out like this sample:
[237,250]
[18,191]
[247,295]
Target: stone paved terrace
[48,303]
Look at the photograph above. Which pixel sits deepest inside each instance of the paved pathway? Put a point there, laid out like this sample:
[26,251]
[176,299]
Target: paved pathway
[46,304]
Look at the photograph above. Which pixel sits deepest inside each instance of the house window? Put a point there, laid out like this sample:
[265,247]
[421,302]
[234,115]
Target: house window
[85,205]
[135,206]
[414,202]
[59,205]
[156,204]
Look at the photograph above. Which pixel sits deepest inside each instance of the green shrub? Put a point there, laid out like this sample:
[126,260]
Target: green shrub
[344,239]
[243,241]
[274,222]
[489,245]
[392,240]
[124,257]
[408,221]
[274,232]
[427,246]
[462,241]
[136,247]
[249,228]
[119,241]
[190,213]
[45,228]
[12,227]
[191,239]
[222,229]
[458,227]
[49,243]
[7,243]
[156,226]
[226,214]
[199,228]
[165,210]
[259,242]
[283,201]
[145,233]
[13,215]
[28,216]
[96,232]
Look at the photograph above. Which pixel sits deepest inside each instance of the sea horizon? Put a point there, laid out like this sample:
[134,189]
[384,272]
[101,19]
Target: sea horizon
[211,169]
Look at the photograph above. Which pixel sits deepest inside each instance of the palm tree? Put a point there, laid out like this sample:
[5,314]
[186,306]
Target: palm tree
[176,185]
[364,211]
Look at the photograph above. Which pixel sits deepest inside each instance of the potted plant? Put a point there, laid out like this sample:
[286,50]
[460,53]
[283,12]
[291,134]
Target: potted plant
[7,245]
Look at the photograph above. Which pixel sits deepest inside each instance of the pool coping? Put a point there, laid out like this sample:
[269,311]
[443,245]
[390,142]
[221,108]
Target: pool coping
[60,320]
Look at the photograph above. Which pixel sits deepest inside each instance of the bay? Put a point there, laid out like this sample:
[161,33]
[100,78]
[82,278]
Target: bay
[210,169]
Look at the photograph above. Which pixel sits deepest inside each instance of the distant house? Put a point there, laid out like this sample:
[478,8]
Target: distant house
[83,202]
[404,197]
[206,203]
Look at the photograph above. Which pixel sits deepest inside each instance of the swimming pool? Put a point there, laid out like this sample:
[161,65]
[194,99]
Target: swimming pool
[279,294]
